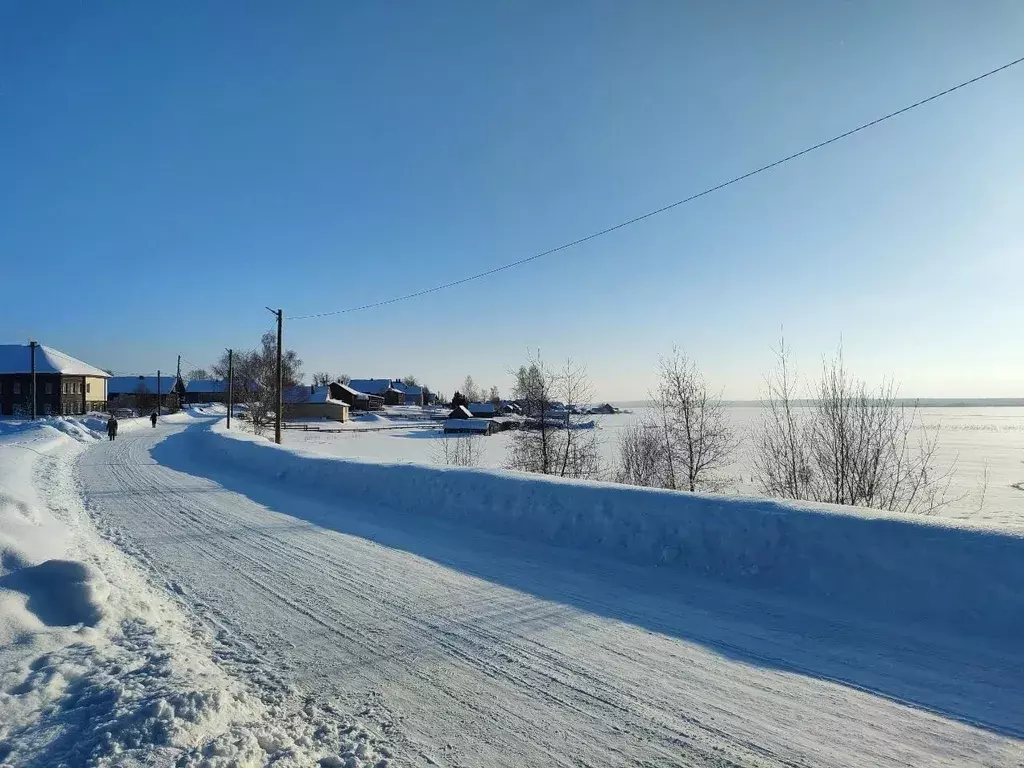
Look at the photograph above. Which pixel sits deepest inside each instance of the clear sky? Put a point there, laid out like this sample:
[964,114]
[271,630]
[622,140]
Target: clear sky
[168,170]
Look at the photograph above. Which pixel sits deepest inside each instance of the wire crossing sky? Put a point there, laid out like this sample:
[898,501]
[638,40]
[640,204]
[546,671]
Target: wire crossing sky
[670,206]
[171,170]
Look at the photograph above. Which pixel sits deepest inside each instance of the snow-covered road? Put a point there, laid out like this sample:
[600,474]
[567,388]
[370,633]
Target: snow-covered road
[465,648]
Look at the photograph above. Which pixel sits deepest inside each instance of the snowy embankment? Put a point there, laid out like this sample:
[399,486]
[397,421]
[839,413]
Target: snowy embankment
[890,567]
[98,667]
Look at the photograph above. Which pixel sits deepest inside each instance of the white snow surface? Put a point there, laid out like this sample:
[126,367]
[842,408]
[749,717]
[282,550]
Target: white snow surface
[17,358]
[100,666]
[471,617]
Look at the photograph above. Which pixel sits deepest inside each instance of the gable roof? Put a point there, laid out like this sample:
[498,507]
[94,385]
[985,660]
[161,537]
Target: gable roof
[302,394]
[17,358]
[410,389]
[207,385]
[370,386]
[478,408]
[460,412]
[126,385]
[355,393]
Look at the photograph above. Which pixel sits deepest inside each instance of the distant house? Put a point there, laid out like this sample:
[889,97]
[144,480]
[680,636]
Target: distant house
[483,410]
[400,393]
[356,400]
[143,392]
[460,412]
[471,426]
[310,402]
[64,384]
[206,391]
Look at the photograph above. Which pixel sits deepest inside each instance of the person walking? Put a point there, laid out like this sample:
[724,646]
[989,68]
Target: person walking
[152,419]
[111,428]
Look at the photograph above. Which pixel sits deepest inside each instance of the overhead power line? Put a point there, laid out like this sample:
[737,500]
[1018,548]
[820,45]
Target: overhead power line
[670,206]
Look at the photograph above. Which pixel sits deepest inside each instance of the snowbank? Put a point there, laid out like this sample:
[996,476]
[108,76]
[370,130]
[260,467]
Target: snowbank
[99,668]
[888,566]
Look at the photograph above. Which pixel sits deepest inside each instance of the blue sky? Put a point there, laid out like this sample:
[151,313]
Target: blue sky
[169,170]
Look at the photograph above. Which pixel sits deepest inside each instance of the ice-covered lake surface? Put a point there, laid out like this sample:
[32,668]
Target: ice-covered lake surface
[984,446]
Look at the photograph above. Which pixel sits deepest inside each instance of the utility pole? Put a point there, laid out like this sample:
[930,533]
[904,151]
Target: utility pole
[158,412]
[231,379]
[32,346]
[179,370]
[280,396]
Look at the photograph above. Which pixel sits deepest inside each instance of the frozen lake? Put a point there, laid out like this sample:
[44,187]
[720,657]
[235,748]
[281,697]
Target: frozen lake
[970,439]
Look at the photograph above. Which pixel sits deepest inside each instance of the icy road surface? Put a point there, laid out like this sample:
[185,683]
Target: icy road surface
[469,649]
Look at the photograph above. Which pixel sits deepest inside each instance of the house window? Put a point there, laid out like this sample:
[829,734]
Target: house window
[48,388]
[17,388]
[88,387]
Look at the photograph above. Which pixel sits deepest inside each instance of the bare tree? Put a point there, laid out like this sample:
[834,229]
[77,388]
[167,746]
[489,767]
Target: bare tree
[534,449]
[580,452]
[553,444]
[197,373]
[782,461]
[322,379]
[344,379]
[471,391]
[698,439]
[643,454]
[848,445]
[462,451]
[410,381]
[255,378]
[494,396]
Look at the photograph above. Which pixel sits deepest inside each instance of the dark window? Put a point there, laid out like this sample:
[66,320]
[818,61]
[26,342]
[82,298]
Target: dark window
[48,387]
[17,388]
[88,387]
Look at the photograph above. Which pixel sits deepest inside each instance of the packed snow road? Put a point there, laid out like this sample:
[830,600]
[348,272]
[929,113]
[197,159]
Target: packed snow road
[464,648]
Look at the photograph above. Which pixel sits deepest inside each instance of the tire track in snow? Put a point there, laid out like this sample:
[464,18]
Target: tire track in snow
[519,677]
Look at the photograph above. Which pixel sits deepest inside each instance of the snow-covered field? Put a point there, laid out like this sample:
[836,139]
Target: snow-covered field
[985,447]
[228,602]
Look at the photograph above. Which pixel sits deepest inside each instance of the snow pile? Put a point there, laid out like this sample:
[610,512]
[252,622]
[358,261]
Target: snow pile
[98,668]
[889,566]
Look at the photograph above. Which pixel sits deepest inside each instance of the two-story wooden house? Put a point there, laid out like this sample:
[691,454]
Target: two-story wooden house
[64,384]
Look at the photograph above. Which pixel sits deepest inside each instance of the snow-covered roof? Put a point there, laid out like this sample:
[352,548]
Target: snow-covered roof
[121,385]
[354,392]
[469,425]
[17,358]
[207,385]
[370,386]
[460,412]
[410,389]
[485,408]
[380,386]
[303,394]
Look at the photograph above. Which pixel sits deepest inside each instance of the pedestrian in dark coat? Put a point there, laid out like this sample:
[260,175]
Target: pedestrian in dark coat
[111,427]
[152,419]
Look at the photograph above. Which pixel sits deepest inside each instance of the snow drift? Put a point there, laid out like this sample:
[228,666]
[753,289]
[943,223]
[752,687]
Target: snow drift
[888,566]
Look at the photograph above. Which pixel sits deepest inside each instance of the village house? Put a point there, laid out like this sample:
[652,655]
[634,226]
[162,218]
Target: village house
[484,410]
[310,402]
[64,384]
[393,391]
[357,401]
[206,391]
[144,393]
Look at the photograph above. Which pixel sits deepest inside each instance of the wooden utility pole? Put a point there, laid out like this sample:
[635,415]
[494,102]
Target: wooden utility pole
[179,370]
[231,379]
[158,413]
[32,346]
[280,395]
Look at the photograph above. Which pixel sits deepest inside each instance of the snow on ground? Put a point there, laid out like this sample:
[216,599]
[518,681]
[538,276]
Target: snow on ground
[984,445]
[481,618]
[100,667]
